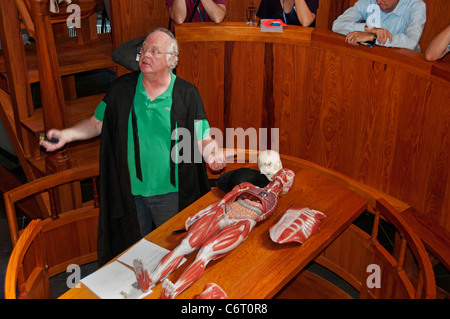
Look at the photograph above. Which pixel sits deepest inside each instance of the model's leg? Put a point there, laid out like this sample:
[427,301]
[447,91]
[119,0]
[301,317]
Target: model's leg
[217,247]
[197,235]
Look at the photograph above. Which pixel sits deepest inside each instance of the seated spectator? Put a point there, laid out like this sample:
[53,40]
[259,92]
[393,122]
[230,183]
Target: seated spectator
[390,23]
[439,46]
[295,12]
[181,11]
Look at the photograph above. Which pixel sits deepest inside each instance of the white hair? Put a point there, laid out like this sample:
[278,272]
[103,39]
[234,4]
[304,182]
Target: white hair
[172,49]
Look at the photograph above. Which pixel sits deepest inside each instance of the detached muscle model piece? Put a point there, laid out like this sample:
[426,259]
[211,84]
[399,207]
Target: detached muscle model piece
[216,230]
[212,291]
[296,225]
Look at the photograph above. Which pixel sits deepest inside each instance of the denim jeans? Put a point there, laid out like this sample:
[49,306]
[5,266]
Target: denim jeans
[155,210]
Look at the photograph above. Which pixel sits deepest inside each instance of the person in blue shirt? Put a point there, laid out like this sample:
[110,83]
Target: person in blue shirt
[390,23]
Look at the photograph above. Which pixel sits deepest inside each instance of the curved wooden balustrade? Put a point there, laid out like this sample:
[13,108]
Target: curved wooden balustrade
[26,267]
[69,235]
[376,116]
[350,255]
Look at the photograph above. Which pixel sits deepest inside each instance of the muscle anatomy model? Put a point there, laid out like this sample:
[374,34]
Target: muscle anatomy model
[215,231]
[296,225]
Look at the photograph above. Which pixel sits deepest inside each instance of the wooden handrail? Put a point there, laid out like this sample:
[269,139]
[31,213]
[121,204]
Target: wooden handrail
[426,276]
[47,183]
[14,269]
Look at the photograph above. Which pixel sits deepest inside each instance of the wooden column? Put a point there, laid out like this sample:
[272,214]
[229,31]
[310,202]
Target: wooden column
[16,66]
[52,96]
[50,81]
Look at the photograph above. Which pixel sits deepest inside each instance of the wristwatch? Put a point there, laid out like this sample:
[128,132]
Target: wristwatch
[372,43]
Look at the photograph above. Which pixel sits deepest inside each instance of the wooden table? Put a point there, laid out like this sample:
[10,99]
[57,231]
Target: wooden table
[259,268]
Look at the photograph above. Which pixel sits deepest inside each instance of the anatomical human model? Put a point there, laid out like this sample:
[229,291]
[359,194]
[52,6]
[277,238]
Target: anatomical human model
[296,225]
[212,291]
[215,231]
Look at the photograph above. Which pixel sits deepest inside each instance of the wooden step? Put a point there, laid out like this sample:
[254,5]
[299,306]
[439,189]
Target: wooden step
[308,285]
[80,153]
[73,57]
[76,109]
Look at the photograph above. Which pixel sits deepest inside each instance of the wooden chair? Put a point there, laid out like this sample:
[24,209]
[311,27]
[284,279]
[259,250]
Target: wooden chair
[27,271]
[69,236]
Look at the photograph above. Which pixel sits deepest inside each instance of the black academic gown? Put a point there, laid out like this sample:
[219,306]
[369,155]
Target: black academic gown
[118,226]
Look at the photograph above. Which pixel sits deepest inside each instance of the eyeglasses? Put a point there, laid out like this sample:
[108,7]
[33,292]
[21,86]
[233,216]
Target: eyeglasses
[152,52]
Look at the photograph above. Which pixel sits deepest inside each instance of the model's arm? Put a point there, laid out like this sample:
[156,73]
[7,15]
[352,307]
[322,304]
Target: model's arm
[304,14]
[83,130]
[439,46]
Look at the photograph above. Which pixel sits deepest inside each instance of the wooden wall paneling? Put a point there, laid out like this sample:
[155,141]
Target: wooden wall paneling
[434,202]
[438,17]
[329,10]
[244,83]
[132,19]
[203,64]
[383,99]
[372,121]
[290,94]
[236,9]
[412,155]
[333,107]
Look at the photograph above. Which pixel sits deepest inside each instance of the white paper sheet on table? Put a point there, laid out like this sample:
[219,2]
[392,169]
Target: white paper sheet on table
[114,281]
[150,254]
[117,281]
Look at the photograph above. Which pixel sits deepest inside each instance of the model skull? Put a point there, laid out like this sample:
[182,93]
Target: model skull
[269,163]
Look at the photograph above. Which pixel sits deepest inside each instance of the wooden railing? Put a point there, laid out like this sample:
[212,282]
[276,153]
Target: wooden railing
[354,251]
[27,273]
[69,234]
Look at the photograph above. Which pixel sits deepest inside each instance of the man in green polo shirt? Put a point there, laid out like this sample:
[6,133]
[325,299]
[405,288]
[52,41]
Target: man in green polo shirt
[142,180]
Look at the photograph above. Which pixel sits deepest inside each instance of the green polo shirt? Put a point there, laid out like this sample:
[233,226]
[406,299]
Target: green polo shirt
[153,122]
